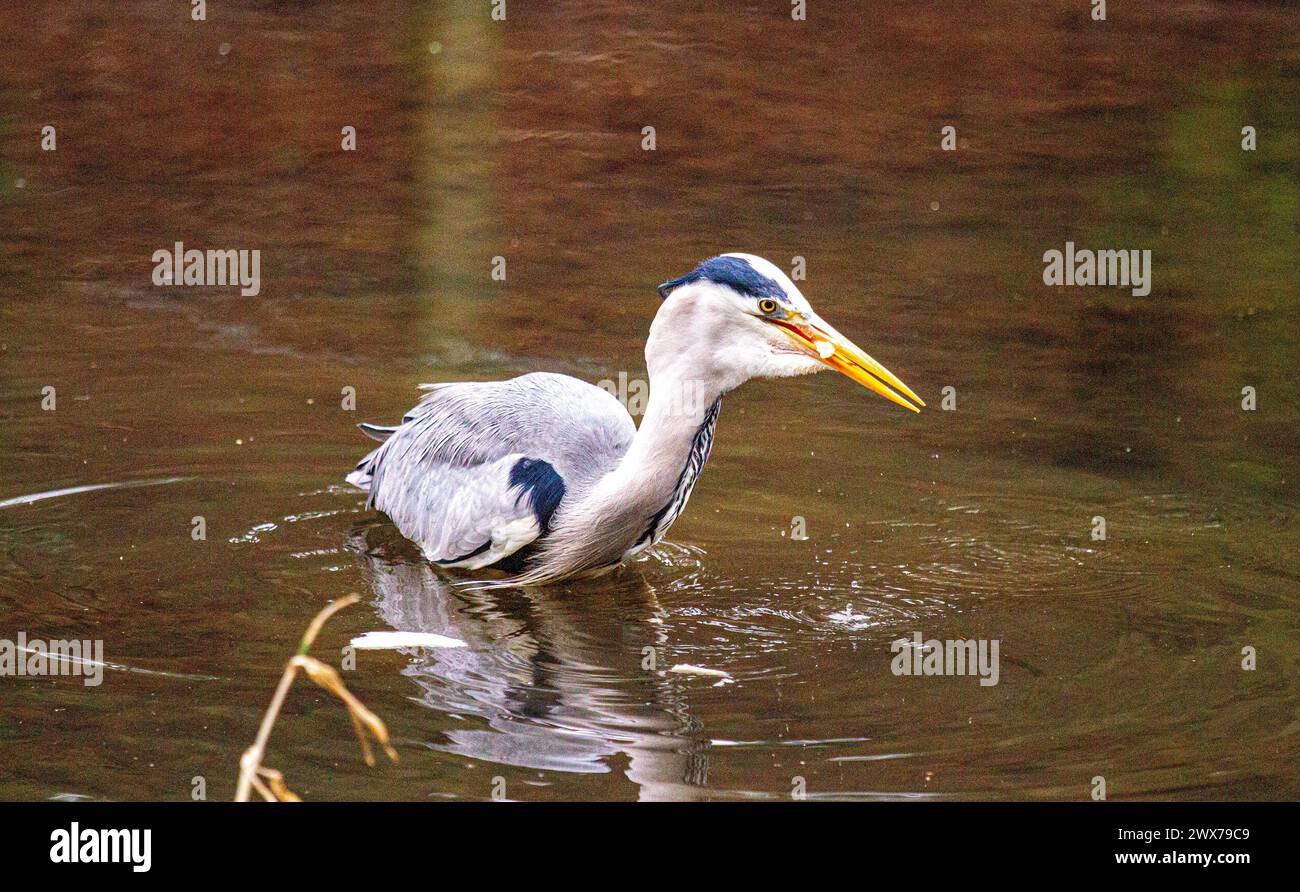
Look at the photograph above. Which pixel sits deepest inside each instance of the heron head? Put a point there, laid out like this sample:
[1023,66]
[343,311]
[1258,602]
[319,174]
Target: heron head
[753,322]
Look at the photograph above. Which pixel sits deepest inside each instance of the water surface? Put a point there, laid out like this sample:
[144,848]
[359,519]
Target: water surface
[1119,658]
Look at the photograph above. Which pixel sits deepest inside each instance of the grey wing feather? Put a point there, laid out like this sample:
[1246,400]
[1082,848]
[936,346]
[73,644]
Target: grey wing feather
[448,476]
[378,432]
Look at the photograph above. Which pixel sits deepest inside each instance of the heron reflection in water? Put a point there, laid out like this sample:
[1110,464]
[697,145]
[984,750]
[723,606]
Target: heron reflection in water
[545,682]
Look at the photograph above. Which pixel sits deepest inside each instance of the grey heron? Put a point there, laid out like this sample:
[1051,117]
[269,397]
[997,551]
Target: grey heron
[545,476]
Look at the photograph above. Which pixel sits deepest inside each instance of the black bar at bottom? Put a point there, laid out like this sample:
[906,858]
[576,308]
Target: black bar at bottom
[378,842]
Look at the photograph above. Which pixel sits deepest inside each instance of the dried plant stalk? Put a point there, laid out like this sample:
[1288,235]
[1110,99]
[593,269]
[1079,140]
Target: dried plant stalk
[268,782]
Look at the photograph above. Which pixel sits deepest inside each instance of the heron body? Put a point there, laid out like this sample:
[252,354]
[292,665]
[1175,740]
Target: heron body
[545,476]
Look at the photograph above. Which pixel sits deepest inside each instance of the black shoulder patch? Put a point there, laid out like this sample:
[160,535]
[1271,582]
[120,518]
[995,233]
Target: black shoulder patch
[541,484]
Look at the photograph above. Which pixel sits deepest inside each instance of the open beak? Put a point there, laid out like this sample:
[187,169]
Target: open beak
[846,357]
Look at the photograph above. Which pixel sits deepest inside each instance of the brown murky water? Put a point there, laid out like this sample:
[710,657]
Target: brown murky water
[1119,658]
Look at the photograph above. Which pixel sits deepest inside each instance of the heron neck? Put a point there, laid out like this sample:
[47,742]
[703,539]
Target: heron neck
[671,445]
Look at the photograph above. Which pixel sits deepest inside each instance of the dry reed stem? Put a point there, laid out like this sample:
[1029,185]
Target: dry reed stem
[268,782]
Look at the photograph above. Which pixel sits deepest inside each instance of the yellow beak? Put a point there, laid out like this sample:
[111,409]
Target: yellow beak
[848,358]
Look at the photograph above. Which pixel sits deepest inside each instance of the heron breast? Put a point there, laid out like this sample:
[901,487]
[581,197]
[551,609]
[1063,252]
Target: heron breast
[701,445]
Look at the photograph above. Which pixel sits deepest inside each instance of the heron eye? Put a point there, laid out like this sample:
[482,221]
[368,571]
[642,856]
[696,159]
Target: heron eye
[767,306]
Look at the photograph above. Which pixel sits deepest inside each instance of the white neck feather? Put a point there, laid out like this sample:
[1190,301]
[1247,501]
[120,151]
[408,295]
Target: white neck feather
[615,514]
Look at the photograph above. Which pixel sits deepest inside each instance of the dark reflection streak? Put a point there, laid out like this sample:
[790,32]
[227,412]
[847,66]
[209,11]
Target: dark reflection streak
[555,673]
